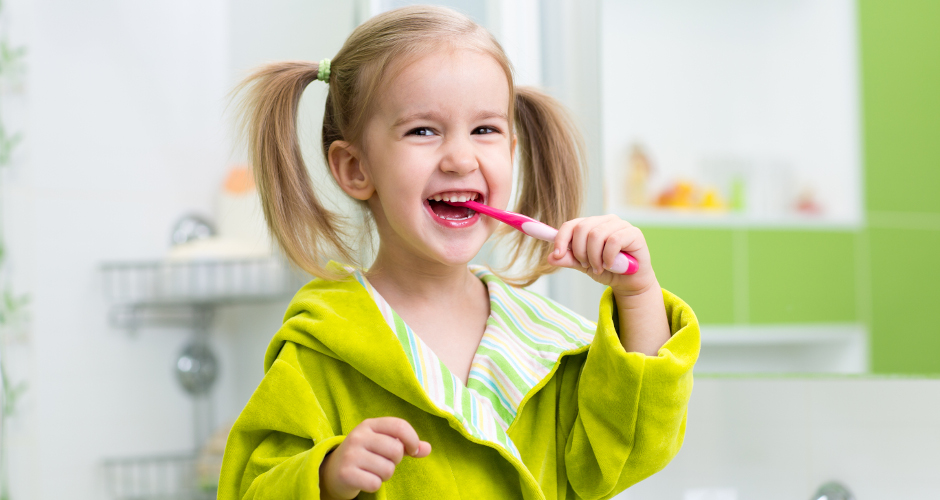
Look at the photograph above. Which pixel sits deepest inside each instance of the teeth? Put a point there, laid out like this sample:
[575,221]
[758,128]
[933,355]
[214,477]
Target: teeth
[459,197]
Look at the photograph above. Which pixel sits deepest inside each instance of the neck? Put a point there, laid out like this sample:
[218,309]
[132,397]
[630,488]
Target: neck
[415,281]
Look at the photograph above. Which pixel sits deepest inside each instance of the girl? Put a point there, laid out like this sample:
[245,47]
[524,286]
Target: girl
[517,396]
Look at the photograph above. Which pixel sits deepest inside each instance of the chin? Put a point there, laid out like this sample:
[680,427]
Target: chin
[461,254]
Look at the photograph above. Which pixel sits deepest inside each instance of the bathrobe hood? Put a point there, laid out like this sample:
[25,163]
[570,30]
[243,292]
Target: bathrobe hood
[340,320]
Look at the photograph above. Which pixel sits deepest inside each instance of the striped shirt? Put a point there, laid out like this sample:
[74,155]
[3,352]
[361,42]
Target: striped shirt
[524,337]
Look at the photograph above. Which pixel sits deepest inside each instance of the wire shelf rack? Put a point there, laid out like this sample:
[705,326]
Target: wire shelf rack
[185,294]
[168,477]
[200,282]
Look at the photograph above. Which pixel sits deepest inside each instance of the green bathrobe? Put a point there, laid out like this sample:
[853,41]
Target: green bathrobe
[601,420]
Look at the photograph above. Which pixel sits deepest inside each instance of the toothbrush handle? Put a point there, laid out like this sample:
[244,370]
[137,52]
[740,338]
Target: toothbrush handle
[624,263]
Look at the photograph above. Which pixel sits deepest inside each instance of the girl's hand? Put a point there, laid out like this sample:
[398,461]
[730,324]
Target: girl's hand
[368,457]
[590,244]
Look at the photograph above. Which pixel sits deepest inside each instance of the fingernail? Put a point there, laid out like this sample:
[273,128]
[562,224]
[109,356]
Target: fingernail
[584,265]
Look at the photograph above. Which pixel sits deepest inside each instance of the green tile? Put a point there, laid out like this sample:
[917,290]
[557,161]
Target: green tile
[900,66]
[801,276]
[695,264]
[905,292]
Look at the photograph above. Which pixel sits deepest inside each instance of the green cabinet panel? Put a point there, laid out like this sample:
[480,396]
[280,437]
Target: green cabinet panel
[801,276]
[900,49]
[695,264]
[905,276]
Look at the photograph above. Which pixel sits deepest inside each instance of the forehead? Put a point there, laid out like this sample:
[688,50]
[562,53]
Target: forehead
[445,80]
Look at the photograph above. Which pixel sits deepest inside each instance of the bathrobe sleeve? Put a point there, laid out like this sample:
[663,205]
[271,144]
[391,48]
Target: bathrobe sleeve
[631,408]
[280,439]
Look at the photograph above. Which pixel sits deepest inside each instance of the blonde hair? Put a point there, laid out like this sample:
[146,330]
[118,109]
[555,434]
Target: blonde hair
[550,149]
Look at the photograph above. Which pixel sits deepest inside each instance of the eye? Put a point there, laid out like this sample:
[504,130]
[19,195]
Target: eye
[485,129]
[421,131]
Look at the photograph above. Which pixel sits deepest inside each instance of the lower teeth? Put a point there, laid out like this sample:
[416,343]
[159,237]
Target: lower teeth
[456,218]
[445,211]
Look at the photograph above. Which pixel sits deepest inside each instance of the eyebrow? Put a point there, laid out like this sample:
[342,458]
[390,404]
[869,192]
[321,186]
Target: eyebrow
[434,116]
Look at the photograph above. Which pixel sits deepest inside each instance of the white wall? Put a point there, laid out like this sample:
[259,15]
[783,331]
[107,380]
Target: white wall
[125,136]
[126,133]
[781,438]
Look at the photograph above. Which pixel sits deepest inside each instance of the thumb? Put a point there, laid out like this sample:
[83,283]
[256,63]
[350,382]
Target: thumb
[566,260]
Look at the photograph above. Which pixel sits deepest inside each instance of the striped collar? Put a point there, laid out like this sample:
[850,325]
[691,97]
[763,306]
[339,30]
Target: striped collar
[524,337]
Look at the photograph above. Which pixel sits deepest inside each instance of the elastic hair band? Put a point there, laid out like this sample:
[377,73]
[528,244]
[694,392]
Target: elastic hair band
[323,71]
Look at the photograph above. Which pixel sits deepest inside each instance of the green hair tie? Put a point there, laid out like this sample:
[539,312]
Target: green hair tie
[323,71]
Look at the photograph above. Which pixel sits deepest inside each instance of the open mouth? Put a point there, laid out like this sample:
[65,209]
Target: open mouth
[443,210]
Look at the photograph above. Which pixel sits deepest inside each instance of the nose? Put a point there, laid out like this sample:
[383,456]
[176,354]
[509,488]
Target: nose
[459,156]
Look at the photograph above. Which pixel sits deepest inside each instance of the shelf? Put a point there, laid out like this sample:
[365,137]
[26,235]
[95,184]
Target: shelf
[200,282]
[791,348]
[161,477]
[186,293]
[650,217]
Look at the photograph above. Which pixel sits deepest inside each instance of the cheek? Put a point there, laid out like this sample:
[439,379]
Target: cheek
[501,178]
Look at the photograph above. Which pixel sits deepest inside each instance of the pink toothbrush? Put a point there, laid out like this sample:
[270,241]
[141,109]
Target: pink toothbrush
[623,264]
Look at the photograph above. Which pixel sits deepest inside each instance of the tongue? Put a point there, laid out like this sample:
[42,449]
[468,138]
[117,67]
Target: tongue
[448,211]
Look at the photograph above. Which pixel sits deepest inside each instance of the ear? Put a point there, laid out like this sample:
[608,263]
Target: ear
[347,169]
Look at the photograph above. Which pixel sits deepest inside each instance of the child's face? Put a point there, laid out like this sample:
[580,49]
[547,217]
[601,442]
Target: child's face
[440,127]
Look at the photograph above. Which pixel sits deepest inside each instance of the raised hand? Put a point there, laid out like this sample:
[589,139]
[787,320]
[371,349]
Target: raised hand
[590,245]
[368,457]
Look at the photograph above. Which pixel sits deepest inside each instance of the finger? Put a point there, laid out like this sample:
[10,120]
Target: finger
[377,465]
[563,238]
[424,449]
[386,446]
[352,479]
[597,240]
[364,480]
[618,242]
[399,429]
[579,239]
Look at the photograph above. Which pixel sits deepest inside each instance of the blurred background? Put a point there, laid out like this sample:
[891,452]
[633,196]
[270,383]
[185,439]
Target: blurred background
[781,157]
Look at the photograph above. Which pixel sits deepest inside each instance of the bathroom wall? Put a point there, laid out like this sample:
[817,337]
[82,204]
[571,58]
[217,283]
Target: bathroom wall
[124,136]
[874,275]
[900,77]
[127,131]
[781,438]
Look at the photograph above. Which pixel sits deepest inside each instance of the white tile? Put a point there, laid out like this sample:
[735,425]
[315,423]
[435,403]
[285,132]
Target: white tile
[867,458]
[875,401]
[773,439]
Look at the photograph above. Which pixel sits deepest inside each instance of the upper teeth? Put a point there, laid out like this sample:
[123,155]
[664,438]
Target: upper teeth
[454,197]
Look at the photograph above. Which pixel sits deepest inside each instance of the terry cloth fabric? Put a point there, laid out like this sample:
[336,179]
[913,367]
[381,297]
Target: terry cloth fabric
[524,337]
[599,421]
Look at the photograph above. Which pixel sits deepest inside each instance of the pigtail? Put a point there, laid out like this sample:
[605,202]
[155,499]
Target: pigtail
[551,177]
[306,231]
